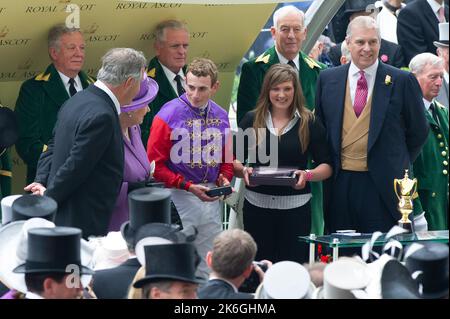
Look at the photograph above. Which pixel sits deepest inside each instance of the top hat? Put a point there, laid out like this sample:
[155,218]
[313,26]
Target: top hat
[443,36]
[146,205]
[286,280]
[352,6]
[170,262]
[147,93]
[6,204]
[29,206]
[397,283]
[9,129]
[431,261]
[53,250]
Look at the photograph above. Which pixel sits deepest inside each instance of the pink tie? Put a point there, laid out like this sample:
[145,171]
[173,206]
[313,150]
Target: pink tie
[361,94]
[441,15]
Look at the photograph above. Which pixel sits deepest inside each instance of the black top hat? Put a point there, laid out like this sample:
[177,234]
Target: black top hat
[146,205]
[29,206]
[171,261]
[166,231]
[9,129]
[432,261]
[397,283]
[52,250]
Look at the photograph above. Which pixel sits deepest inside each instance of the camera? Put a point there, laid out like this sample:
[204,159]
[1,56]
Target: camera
[252,282]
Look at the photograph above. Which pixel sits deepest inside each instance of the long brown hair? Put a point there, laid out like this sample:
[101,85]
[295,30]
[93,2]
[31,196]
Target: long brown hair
[277,74]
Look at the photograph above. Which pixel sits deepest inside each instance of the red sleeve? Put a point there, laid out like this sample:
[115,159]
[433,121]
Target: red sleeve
[226,168]
[158,150]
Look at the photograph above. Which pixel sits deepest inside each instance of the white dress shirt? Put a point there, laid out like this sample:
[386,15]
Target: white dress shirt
[171,77]
[435,7]
[283,60]
[65,79]
[104,88]
[353,76]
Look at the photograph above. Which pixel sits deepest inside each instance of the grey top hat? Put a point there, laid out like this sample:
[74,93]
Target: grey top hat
[397,283]
[443,36]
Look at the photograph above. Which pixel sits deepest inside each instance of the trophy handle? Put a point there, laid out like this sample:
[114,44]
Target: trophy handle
[395,187]
[415,188]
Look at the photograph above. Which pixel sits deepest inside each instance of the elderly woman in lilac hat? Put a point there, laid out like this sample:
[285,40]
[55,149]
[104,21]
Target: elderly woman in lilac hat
[136,165]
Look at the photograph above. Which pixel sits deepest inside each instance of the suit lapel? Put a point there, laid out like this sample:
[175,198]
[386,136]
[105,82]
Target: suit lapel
[337,89]
[165,88]
[54,87]
[431,17]
[380,97]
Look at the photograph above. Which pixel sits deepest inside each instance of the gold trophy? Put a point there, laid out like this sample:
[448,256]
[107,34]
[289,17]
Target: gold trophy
[408,191]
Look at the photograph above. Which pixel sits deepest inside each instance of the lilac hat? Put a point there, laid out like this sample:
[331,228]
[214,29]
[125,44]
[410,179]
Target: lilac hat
[147,93]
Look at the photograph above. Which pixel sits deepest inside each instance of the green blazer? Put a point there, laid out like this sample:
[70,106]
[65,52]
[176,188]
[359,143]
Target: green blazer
[36,109]
[431,171]
[252,76]
[165,94]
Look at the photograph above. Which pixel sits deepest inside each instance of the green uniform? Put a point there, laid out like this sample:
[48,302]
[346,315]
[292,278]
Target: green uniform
[431,171]
[252,76]
[165,94]
[36,109]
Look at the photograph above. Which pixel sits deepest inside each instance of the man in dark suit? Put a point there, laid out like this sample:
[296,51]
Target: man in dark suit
[417,26]
[167,68]
[41,97]
[231,262]
[376,128]
[389,53]
[82,167]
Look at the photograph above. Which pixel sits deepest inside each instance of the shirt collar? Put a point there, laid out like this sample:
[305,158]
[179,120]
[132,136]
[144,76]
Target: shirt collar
[170,75]
[283,60]
[427,104]
[32,295]
[213,277]
[435,6]
[371,70]
[445,78]
[102,86]
[291,124]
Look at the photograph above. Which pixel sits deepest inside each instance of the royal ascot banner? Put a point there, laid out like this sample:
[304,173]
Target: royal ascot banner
[222,33]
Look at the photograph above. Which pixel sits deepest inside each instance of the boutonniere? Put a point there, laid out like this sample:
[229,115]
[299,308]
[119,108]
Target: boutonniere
[384,58]
[388,80]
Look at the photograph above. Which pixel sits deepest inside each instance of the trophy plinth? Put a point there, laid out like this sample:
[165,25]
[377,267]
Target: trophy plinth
[406,191]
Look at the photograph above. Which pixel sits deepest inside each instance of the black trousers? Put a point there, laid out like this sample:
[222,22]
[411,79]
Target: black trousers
[276,231]
[356,204]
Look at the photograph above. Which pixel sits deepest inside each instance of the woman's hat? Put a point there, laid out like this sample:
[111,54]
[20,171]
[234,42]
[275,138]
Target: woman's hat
[9,129]
[53,250]
[146,205]
[110,252]
[147,93]
[170,262]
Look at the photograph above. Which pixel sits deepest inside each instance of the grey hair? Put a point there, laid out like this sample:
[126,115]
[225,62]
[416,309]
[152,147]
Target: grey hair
[119,64]
[160,30]
[55,34]
[421,60]
[345,51]
[286,10]
[362,22]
